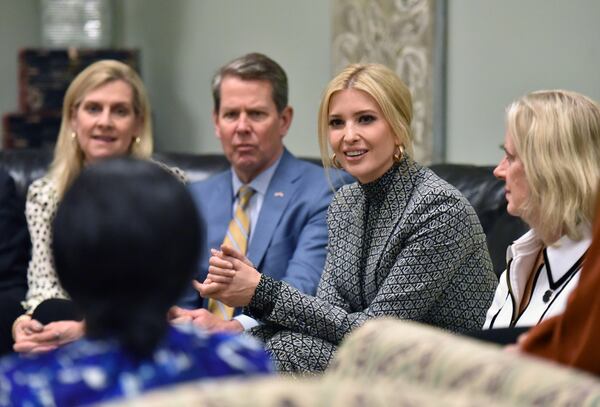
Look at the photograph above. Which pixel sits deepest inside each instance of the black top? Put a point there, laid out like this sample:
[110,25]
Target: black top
[14,238]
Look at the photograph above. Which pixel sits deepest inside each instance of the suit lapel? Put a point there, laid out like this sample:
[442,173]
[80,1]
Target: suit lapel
[276,199]
[219,211]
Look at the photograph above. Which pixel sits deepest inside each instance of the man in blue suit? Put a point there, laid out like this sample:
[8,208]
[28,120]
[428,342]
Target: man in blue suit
[288,232]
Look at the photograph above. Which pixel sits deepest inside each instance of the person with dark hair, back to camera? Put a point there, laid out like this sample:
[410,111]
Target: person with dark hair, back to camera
[124,263]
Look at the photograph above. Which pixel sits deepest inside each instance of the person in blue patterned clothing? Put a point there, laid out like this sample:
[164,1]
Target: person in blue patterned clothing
[133,228]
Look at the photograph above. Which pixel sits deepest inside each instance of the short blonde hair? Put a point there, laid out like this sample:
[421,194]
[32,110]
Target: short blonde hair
[556,134]
[383,85]
[68,157]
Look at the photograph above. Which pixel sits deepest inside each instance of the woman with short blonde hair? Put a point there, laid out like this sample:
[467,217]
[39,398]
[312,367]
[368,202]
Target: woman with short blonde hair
[556,135]
[552,171]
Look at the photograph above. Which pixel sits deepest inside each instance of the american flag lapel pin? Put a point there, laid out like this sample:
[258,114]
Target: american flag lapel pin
[278,194]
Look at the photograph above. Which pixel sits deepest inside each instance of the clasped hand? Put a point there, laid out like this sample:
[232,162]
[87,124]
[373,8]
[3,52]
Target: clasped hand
[231,279]
[33,337]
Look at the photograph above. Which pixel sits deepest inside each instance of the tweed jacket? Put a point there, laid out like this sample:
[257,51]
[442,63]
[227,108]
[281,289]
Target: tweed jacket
[408,245]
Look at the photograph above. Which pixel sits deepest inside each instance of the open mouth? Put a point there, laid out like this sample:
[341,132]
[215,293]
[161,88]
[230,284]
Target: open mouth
[355,153]
[104,139]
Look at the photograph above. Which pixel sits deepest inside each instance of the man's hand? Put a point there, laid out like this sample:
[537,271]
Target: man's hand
[204,319]
[212,323]
[33,337]
[178,315]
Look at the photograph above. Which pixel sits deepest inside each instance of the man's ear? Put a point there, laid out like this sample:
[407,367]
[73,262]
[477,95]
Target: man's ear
[285,118]
[215,118]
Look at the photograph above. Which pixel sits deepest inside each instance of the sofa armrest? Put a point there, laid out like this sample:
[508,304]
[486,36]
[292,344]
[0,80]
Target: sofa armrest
[420,354]
[281,391]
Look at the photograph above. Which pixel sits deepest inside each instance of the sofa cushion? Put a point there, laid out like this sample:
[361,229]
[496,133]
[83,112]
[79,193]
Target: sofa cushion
[280,391]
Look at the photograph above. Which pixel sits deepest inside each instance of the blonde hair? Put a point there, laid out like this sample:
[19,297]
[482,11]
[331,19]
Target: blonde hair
[556,134]
[383,85]
[68,157]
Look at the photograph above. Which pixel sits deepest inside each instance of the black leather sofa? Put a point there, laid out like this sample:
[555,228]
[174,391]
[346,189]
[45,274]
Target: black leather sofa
[477,183]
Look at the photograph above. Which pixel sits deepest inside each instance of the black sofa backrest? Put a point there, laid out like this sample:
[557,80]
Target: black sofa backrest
[477,183]
[25,166]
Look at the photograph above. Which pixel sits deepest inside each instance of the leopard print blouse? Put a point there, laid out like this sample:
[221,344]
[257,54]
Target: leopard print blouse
[40,209]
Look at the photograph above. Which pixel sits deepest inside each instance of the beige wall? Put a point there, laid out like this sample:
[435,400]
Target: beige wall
[185,43]
[19,27]
[497,50]
[500,50]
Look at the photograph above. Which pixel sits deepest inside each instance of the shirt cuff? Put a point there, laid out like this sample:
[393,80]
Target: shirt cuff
[246,321]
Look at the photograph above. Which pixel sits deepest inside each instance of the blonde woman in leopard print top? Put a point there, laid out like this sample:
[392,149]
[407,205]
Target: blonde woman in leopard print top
[106,113]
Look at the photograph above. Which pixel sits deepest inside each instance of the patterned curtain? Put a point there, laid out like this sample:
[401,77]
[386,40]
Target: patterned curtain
[400,34]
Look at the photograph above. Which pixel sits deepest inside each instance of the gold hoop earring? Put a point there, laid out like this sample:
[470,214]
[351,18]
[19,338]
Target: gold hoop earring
[398,154]
[137,140]
[335,162]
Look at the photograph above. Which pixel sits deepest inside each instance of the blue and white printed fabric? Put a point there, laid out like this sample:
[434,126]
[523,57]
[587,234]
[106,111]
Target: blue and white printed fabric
[89,371]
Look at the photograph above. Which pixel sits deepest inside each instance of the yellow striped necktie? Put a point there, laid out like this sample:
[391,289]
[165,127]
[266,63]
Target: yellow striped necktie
[236,237]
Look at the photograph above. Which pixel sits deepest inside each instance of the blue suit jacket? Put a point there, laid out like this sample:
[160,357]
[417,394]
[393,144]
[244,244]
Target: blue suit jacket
[289,240]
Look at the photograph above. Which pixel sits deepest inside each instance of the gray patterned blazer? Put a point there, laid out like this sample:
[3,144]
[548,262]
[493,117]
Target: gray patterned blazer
[408,245]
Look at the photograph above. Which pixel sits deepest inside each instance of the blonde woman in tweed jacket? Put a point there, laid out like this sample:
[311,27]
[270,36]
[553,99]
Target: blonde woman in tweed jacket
[402,242]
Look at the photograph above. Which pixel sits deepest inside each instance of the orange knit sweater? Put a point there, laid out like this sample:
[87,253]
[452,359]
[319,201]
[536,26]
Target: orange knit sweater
[573,338]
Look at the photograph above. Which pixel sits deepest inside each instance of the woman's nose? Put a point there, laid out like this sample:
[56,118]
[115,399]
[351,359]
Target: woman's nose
[351,133]
[105,118]
[500,170]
